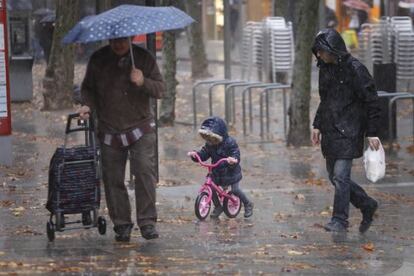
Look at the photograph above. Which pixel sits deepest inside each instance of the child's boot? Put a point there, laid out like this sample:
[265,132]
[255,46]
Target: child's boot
[216,212]
[248,209]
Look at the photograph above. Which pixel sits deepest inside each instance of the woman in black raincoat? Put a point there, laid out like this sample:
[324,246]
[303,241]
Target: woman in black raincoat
[348,112]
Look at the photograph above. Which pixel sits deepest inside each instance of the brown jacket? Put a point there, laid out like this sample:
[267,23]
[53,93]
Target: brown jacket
[107,89]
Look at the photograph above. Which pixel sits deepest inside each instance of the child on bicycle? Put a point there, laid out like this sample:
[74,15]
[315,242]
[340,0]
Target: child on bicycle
[220,145]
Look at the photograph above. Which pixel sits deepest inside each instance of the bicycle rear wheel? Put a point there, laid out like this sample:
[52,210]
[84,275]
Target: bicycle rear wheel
[232,208]
[202,206]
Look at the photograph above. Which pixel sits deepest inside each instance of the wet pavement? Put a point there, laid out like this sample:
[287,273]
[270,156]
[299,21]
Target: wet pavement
[285,236]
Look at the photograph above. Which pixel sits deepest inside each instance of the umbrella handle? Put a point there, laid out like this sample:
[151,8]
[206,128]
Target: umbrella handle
[131,52]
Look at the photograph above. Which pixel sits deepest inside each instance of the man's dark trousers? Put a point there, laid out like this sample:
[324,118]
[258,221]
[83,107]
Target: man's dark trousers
[142,160]
[345,189]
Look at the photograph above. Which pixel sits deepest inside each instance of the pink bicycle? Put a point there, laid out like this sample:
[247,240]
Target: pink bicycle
[230,202]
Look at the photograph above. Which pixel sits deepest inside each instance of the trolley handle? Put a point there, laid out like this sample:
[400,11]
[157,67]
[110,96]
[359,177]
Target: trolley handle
[83,125]
[86,126]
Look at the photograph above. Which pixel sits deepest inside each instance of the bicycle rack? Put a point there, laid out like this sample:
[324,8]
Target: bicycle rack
[197,84]
[390,121]
[230,113]
[265,94]
[210,92]
[384,94]
[248,89]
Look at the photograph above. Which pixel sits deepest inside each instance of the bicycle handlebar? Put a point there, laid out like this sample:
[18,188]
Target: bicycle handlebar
[210,165]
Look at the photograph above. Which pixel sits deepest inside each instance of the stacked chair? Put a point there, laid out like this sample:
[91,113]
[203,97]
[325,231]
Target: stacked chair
[389,40]
[268,48]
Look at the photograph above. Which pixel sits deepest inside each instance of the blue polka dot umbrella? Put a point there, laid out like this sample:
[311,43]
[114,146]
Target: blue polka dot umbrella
[127,21]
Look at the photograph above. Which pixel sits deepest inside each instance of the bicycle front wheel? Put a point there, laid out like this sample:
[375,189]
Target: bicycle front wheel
[202,206]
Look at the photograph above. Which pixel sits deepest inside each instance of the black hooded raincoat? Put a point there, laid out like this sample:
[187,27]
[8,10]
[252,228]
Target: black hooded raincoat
[348,109]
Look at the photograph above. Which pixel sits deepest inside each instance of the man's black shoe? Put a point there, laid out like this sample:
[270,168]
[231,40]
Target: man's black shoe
[334,226]
[368,216]
[123,232]
[149,232]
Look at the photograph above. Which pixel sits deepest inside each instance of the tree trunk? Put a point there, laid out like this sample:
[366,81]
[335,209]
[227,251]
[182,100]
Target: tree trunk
[306,22]
[102,5]
[199,63]
[280,8]
[58,80]
[167,107]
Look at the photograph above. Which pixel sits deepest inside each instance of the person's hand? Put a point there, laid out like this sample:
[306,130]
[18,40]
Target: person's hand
[316,137]
[84,112]
[232,160]
[137,77]
[191,154]
[374,143]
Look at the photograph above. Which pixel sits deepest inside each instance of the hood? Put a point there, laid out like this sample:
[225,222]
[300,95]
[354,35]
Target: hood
[331,41]
[215,127]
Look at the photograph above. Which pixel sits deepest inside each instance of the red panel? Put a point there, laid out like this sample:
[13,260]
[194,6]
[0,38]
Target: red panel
[143,39]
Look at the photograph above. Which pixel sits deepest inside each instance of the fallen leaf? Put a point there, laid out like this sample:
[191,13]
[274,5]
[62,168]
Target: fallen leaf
[324,213]
[295,253]
[72,269]
[6,203]
[300,197]
[18,211]
[127,245]
[368,246]
[410,149]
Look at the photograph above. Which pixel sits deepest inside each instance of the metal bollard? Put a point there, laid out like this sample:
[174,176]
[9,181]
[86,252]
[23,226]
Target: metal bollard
[390,121]
[383,133]
[195,100]
[210,92]
[265,93]
[247,89]
[230,106]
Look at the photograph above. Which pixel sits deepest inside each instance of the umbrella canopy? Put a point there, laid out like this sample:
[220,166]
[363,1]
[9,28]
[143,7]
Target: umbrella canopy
[50,18]
[357,5]
[127,21]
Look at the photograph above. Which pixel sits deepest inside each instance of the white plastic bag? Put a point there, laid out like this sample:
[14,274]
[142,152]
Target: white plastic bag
[374,163]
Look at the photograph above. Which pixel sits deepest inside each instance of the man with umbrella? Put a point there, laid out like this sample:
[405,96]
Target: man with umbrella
[120,80]
[119,93]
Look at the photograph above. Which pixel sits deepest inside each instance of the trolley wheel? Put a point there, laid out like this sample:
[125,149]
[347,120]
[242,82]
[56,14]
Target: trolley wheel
[202,206]
[50,230]
[101,225]
[232,209]
[86,218]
